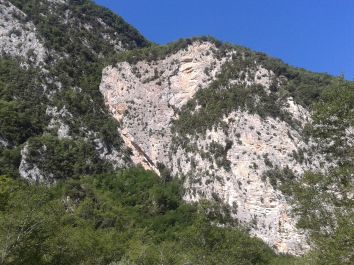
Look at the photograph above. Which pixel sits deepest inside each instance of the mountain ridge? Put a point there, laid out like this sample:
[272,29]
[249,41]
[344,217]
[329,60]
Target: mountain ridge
[240,129]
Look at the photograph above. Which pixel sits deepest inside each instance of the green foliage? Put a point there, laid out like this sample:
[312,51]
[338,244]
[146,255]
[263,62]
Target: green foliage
[165,173]
[85,52]
[21,113]
[325,208]
[62,37]
[133,217]
[15,122]
[277,177]
[5,190]
[130,217]
[333,118]
[75,61]
[220,154]
[304,86]
[222,97]
[324,202]
[65,158]
[10,160]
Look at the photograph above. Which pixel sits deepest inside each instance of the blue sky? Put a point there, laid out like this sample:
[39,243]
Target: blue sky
[317,35]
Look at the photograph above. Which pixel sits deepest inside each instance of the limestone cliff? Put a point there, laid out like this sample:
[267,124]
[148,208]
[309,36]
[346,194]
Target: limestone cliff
[144,97]
[227,162]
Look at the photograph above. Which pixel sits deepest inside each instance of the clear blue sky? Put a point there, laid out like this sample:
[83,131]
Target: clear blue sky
[314,34]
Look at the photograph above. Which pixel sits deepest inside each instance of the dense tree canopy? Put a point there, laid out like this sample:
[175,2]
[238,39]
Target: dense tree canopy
[129,217]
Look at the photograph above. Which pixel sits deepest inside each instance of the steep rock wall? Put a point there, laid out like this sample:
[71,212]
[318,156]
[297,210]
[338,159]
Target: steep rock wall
[227,163]
[252,146]
[146,97]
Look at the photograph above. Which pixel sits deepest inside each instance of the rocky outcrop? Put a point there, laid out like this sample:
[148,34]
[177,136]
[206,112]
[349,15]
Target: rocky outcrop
[58,1]
[4,143]
[229,166]
[18,37]
[30,171]
[57,121]
[115,156]
[227,163]
[145,97]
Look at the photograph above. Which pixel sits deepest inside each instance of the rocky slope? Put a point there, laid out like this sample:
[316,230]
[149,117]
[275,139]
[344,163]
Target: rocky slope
[56,51]
[18,37]
[144,97]
[83,93]
[231,159]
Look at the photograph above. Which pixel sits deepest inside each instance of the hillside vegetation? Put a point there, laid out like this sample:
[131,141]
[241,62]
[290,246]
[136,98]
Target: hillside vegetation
[129,217]
[63,92]
[84,202]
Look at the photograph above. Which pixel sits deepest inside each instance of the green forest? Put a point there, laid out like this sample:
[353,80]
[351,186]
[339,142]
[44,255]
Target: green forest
[135,217]
[128,217]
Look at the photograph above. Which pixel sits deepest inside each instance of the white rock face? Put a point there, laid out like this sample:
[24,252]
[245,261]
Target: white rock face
[18,38]
[145,97]
[114,156]
[57,1]
[256,144]
[298,112]
[56,122]
[3,142]
[262,77]
[29,171]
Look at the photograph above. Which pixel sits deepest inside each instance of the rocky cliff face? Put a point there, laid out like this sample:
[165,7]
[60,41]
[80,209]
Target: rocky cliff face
[228,162]
[18,36]
[146,96]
